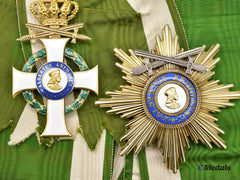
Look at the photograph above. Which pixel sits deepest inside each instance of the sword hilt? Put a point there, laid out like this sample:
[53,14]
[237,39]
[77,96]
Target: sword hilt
[148,66]
[189,64]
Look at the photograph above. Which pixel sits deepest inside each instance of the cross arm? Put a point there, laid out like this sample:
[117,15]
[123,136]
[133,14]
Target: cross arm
[56,123]
[22,81]
[87,79]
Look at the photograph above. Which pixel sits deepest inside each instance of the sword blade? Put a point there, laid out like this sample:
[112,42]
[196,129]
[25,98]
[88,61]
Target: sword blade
[67,28]
[184,54]
[190,52]
[141,69]
[165,59]
[58,32]
[42,34]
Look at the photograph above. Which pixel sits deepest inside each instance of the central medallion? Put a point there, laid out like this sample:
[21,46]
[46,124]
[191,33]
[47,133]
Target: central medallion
[170,98]
[55,80]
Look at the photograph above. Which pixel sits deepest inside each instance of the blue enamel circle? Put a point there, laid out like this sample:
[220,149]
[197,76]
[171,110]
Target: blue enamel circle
[58,67]
[152,104]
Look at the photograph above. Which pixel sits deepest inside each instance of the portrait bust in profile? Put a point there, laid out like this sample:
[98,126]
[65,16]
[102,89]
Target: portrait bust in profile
[172,97]
[55,78]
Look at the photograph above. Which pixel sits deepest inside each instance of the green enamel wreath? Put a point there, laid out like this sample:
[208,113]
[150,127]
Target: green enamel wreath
[78,102]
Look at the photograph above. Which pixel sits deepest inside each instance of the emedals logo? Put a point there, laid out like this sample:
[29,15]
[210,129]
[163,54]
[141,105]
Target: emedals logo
[214,168]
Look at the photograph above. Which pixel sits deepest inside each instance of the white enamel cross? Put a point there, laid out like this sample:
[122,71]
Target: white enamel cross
[56,125]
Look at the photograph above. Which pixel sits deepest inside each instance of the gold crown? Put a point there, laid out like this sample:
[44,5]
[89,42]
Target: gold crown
[50,14]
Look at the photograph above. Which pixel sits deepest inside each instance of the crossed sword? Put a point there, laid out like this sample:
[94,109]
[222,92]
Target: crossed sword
[166,59]
[48,31]
[64,31]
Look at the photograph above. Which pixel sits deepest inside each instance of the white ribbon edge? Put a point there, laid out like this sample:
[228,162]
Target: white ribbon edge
[87,164]
[28,121]
[119,162]
[22,132]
